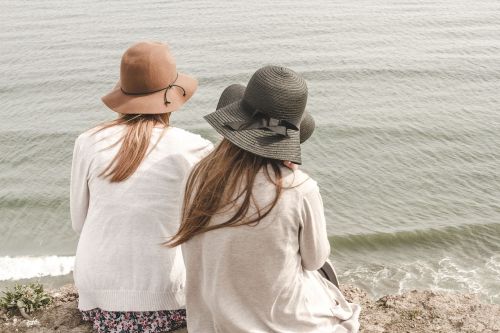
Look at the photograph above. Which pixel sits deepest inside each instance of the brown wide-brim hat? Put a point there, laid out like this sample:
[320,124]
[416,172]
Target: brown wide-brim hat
[149,82]
[266,120]
[235,92]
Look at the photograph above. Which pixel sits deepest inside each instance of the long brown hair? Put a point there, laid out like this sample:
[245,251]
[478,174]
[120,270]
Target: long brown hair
[134,143]
[221,181]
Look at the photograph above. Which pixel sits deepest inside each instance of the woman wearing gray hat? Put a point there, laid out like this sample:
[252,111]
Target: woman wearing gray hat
[234,93]
[253,232]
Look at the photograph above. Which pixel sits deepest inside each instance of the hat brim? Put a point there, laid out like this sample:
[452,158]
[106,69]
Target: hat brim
[153,103]
[260,142]
[307,127]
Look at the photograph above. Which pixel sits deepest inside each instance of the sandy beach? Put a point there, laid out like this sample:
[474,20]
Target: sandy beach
[414,311]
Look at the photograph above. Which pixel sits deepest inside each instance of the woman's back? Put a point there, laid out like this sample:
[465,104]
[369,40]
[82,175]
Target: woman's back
[120,263]
[157,181]
[262,278]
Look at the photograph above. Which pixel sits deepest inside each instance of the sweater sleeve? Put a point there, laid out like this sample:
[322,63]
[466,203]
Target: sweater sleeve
[313,239]
[79,190]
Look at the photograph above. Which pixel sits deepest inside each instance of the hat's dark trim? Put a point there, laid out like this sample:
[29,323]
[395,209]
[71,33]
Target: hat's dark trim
[260,120]
[260,142]
[165,100]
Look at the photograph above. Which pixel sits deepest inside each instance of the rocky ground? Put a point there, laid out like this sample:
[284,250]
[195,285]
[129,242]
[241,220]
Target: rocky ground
[415,311]
[425,312]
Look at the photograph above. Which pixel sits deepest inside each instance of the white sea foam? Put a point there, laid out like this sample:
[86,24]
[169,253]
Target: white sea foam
[447,274]
[16,268]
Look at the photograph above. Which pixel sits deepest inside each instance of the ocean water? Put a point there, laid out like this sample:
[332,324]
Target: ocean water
[405,93]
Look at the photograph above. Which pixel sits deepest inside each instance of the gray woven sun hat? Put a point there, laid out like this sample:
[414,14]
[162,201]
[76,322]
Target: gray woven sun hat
[266,120]
[235,93]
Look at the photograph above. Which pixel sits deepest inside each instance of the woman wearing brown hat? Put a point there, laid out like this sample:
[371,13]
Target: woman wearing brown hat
[125,184]
[253,232]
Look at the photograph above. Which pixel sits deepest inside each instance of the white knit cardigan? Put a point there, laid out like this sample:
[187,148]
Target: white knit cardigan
[121,264]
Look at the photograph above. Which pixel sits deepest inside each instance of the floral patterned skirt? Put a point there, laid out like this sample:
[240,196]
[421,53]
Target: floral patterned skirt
[135,322]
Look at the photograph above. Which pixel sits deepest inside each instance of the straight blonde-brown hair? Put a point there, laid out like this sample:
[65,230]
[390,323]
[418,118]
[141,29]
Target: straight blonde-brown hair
[222,181]
[134,143]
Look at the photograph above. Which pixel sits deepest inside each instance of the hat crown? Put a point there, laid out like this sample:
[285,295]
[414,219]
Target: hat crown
[230,95]
[146,67]
[277,92]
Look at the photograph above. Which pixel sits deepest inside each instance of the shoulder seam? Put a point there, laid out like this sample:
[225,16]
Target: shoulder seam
[302,192]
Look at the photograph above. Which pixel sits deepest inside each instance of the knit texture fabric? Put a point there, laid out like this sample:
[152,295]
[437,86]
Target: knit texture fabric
[263,278]
[121,264]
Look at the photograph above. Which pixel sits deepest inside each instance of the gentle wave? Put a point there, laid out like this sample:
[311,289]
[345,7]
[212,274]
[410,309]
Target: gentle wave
[16,268]
[487,233]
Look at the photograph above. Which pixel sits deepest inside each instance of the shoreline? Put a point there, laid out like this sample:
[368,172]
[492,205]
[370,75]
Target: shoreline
[415,311]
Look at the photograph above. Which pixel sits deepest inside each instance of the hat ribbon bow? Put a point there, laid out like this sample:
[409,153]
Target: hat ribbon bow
[260,120]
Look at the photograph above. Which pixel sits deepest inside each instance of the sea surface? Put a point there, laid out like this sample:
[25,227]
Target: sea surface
[405,93]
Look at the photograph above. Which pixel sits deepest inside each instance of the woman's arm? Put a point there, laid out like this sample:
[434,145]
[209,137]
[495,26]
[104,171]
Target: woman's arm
[79,190]
[313,239]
